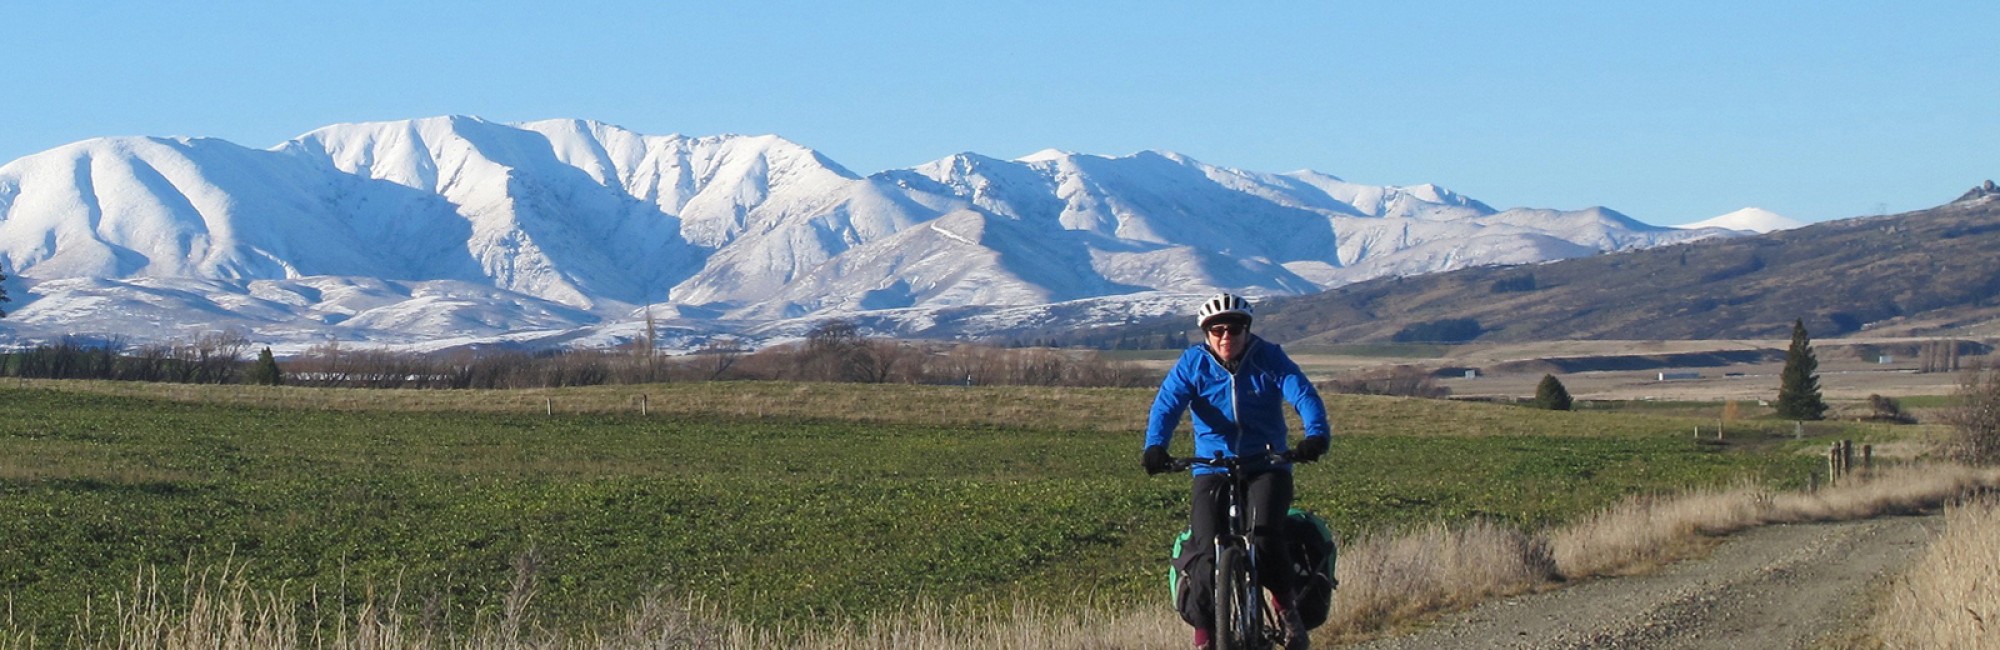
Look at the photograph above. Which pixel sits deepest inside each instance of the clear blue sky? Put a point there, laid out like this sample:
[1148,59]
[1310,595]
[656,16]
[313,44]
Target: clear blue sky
[1670,112]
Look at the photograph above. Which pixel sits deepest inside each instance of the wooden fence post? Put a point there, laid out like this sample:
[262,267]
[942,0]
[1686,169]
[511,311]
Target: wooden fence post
[1833,465]
[549,404]
[1868,459]
[642,404]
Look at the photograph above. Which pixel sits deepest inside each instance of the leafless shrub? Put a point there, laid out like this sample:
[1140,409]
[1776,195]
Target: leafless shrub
[717,356]
[889,361]
[1887,409]
[1976,417]
[213,358]
[1402,381]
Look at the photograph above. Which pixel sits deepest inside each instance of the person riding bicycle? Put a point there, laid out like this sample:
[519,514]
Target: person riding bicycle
[1237,385]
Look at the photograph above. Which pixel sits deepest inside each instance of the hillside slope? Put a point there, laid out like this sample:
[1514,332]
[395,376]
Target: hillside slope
[1915,273]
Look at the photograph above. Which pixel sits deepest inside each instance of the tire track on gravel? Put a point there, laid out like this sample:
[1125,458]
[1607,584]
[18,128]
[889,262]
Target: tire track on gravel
[1778,586]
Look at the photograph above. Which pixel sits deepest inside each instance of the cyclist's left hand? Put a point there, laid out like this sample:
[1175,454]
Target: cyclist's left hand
[1310,449]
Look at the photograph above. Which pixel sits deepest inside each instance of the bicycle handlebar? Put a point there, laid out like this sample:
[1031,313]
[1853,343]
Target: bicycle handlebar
[1273,457]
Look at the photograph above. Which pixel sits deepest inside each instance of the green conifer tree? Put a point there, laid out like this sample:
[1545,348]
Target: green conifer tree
[265,372]
[3,294]
[1551,395]
[1798,387]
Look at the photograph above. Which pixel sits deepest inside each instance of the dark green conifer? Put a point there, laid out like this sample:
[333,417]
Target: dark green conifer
[1798,387]
[1551,395]
[265,371]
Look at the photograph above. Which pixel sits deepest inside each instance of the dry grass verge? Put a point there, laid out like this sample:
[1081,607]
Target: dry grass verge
[1645,532]
[1397,577]
[1950,599]
[1394,580]
[219,611]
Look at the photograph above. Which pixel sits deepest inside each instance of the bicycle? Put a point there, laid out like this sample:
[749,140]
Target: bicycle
[1242,619]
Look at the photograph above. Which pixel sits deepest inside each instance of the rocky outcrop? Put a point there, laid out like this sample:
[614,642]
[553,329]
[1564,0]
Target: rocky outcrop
[1979,192]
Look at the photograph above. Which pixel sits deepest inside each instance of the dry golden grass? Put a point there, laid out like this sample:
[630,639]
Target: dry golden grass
[1950,600]
[1394,578]
[1032,407]
[1645,532]
[219,611]
[1054,408]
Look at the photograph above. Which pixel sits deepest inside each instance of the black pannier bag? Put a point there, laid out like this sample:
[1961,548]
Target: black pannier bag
[1308,541]
[1311,545]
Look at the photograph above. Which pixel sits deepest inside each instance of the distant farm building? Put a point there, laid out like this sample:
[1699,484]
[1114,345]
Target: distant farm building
[1679,374]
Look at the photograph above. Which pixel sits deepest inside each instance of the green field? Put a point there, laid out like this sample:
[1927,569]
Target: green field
[845,510]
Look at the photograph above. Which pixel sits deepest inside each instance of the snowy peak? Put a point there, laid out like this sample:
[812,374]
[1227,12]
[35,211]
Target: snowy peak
[1752,220]
[1044,155]
[459,226]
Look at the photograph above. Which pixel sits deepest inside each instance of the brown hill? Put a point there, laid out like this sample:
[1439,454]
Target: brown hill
[1927,272]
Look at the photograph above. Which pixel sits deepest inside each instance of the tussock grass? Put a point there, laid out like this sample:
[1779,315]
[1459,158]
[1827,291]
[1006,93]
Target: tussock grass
[1643,532]
[1951,598]
[1395,577]
[221,611]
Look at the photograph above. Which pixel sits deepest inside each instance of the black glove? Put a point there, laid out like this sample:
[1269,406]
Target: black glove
[1310,449]
[1156,460]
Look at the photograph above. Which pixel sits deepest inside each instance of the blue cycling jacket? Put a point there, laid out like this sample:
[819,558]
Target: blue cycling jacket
[1239,412]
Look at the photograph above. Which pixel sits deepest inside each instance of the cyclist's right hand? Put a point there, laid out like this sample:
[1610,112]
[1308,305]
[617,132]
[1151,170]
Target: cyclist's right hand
[1310,449]
[1156,460]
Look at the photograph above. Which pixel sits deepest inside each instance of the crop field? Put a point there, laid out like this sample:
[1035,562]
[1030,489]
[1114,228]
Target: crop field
[780,504]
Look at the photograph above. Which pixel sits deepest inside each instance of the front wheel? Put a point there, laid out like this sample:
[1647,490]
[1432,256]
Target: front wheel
[1235,601]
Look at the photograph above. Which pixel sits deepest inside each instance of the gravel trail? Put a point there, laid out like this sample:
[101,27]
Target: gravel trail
[1781,586]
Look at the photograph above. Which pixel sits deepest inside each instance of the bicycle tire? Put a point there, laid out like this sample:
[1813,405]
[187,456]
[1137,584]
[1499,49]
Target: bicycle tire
[1236,619]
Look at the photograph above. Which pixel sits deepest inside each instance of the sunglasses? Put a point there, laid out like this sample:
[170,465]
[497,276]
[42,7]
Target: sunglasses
[1232,330]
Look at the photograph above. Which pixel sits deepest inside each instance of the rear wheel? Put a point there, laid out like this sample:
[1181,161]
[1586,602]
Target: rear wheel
[1235,601]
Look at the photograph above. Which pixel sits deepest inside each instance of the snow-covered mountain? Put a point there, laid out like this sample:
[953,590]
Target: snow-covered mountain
[457,228]
[1751,220]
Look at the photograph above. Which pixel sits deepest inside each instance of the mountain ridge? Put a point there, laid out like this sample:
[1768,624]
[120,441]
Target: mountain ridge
[1919,273]
[600,221]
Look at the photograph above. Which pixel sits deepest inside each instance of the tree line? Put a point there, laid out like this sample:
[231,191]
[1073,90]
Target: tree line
[833,351]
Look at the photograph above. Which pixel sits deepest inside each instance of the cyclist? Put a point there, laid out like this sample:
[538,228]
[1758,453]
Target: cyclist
[1237,385]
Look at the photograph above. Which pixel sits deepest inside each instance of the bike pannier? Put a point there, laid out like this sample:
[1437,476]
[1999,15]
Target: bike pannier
[1311,545]
[1190,577]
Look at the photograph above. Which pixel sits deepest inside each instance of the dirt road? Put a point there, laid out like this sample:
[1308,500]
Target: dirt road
[1787,586]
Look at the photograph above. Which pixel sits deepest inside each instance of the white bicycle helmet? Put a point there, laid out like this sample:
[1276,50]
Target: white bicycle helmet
[1222,304]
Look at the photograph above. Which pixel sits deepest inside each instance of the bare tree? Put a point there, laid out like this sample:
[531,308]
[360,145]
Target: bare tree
[832,351]
[1976,417]
[718,355]
[1406,381]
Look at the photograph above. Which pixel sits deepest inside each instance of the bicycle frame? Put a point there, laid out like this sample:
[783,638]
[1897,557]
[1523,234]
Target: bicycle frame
[1256,625]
